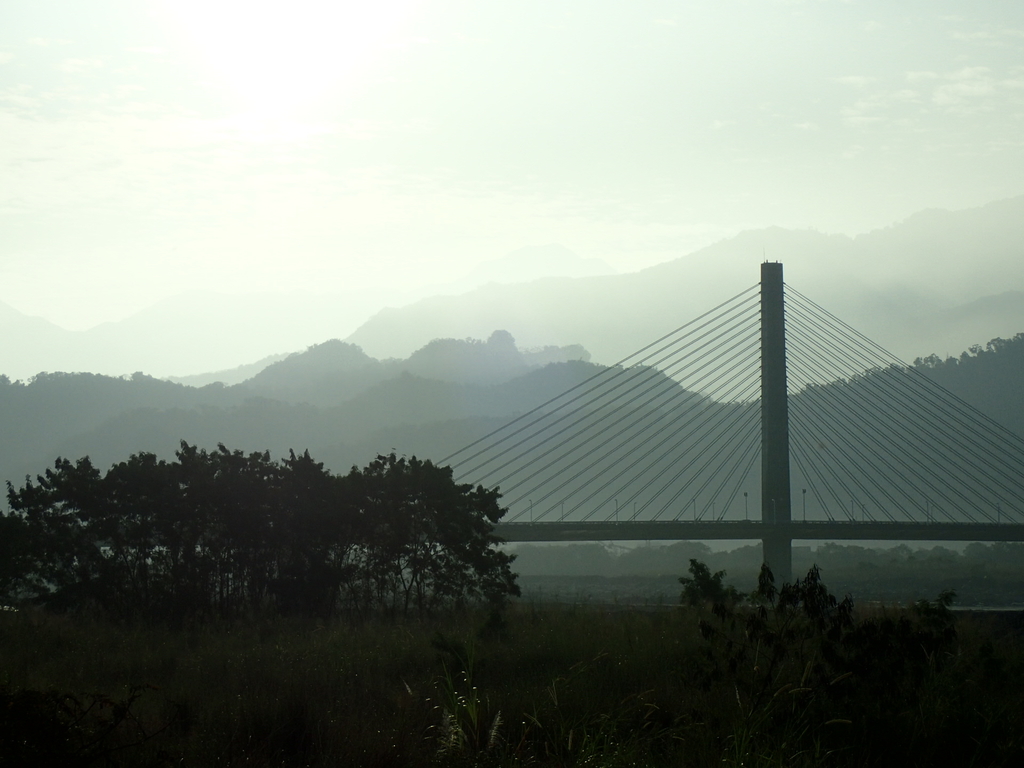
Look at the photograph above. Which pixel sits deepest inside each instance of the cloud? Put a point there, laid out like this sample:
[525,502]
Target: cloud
[19,96]
[5,57]
[992,37]
[78,66]
[858,81]
[856,118]
[963,89]
[852,152]
[46,42]
[968,90]
[905,95]
[972,36]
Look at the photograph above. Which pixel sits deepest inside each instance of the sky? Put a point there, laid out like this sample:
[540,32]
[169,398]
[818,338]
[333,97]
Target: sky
[152,147]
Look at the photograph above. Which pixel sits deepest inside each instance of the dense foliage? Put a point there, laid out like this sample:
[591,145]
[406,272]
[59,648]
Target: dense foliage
[702,586]
[986,377]
[792,677]
[223,534]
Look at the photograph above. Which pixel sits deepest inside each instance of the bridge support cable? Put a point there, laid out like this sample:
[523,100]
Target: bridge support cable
[948,467]
[878,434]
[733,472]
[565,399]
[894,385]
[859,444]
[829,425]
[809,472]
[998,437]
[747,433]
[740,477]
[688,438]
[837,459]
[588,412]
[666,394]
[866,343]
[954,459]
[739,439]
[938,449]
[694,444]
[667,440]
[689,434]
[685,403]
[833,434]
[548,465]
[699,426]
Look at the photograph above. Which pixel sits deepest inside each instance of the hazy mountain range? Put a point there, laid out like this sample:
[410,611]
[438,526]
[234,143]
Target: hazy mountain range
[938,282]
[333,399]
[346,407]
[434,375]
[202,336]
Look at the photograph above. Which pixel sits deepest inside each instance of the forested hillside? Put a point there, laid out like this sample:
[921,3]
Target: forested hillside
[333,372]
[991,378]
[917,286]
[340,403]
[346,407]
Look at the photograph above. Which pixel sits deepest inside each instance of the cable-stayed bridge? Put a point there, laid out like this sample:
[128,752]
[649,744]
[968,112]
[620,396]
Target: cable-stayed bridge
[765,418]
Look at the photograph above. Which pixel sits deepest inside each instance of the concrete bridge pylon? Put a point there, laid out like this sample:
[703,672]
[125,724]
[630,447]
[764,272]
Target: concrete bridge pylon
[775,483]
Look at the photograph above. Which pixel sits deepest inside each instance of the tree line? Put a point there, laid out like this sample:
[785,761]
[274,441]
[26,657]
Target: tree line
[223,534]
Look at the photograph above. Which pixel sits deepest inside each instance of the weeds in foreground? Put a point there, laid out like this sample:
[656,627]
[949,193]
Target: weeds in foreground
[50,728]
[467,730]
[795,678]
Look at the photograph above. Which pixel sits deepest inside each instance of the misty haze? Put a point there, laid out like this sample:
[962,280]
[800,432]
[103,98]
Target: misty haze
[446,383]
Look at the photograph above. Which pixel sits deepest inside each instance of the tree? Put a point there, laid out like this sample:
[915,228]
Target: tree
[140,497]
[225,533]
[15,559]
[317,534]
[429,542]
[60,511]
[702,586]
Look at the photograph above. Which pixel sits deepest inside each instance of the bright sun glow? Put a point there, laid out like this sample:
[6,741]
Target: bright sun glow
[277,56]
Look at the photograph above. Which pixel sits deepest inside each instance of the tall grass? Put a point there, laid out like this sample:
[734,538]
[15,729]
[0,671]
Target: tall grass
[542,686]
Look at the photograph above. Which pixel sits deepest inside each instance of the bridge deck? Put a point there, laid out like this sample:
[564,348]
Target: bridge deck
[689,530]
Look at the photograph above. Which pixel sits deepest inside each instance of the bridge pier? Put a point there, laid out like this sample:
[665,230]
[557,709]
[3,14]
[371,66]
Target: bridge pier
[775,492]
[777,551]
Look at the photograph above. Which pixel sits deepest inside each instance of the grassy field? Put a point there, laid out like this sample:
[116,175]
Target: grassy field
[542,685]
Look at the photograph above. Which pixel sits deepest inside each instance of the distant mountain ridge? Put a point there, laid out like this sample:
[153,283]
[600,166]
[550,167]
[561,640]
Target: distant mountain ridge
[309,401]
[199,331]
[106,417]
[226,332]
[939,281]
[332,372]
[525,265]
[230,376]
